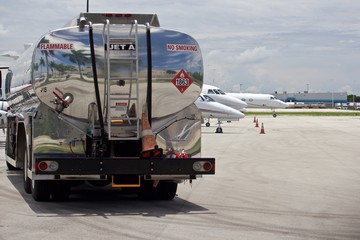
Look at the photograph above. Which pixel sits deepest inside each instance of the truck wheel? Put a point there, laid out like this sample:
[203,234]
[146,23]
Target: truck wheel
[166,190]
[11,167]
[146,190]
[27,180]
[60,190]
[40,190]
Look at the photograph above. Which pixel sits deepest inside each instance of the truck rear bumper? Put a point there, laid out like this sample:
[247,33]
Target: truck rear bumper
[98,167]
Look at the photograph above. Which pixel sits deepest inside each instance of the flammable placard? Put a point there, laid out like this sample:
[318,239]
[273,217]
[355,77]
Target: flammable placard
[182,81]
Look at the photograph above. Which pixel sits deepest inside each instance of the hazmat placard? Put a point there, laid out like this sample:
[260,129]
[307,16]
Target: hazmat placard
[182,81]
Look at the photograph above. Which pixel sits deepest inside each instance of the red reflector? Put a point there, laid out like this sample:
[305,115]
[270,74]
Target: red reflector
[146,154]
[157,153]
[128,15]
[108,15]
[182,154]
[43,166]
[118,15]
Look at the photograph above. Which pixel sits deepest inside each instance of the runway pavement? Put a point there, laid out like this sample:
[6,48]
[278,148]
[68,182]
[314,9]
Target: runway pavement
[299,180]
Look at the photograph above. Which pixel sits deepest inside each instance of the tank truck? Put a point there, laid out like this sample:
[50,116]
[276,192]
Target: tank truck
[106,100]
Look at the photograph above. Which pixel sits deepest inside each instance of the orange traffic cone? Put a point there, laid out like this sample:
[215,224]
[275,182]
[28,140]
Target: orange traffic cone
[132,111]
[257,123]
[147,135]
[262,130]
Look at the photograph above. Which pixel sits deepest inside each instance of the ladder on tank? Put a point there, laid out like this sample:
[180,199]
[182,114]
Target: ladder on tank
[122,84]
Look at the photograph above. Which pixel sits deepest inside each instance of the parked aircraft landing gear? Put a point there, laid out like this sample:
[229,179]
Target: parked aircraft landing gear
[274,113]
[219,129]
[207,124]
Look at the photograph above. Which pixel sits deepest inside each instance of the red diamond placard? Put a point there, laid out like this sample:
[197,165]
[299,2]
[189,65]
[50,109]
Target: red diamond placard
[182,81]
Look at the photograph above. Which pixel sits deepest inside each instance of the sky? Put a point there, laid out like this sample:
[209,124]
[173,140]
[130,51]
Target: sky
[255,46]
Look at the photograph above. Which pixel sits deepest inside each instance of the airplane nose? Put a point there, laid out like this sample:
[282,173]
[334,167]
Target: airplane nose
[241,115]
[285,104]
[282,104]
[238,113]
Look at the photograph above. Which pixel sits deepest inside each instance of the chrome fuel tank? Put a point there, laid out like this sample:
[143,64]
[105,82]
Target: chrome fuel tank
[62,67]
[54,82]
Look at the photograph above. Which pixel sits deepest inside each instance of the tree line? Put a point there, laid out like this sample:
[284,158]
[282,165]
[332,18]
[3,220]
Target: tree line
[353,98]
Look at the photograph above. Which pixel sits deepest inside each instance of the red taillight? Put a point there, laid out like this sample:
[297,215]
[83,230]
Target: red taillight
[43,166]
[207,166]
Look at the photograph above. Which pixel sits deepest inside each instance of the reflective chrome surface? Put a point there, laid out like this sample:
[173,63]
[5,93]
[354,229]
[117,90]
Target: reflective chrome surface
[68,71]
[59,67]
[181,130]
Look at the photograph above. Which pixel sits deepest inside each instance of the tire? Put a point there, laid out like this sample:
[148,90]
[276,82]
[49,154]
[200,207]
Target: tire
[207,124]
[219,130]
[11,167]
[166,190]
[27,180]
[60,190]
[40,190]
[146,190]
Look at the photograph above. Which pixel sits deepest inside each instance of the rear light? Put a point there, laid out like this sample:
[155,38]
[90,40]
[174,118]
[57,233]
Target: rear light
[43,166]
[117,15]
[48,166]
[207,166]
[203,166]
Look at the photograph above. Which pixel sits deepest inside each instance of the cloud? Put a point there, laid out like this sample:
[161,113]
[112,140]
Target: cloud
[255,55]
[3,30]
[267,44]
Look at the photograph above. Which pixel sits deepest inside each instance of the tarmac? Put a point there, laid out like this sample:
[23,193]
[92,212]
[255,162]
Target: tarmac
[300,179]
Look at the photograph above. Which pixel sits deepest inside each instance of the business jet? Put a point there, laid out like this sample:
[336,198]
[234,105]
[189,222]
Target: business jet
[223,98]
[253,100]
[260,100]
[212,109]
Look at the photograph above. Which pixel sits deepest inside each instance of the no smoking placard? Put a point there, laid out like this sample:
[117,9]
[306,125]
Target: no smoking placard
[182,81]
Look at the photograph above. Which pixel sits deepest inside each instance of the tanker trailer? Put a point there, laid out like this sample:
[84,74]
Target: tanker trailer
[108,100]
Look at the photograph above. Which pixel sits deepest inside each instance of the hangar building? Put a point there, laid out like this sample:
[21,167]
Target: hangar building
[329,99]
